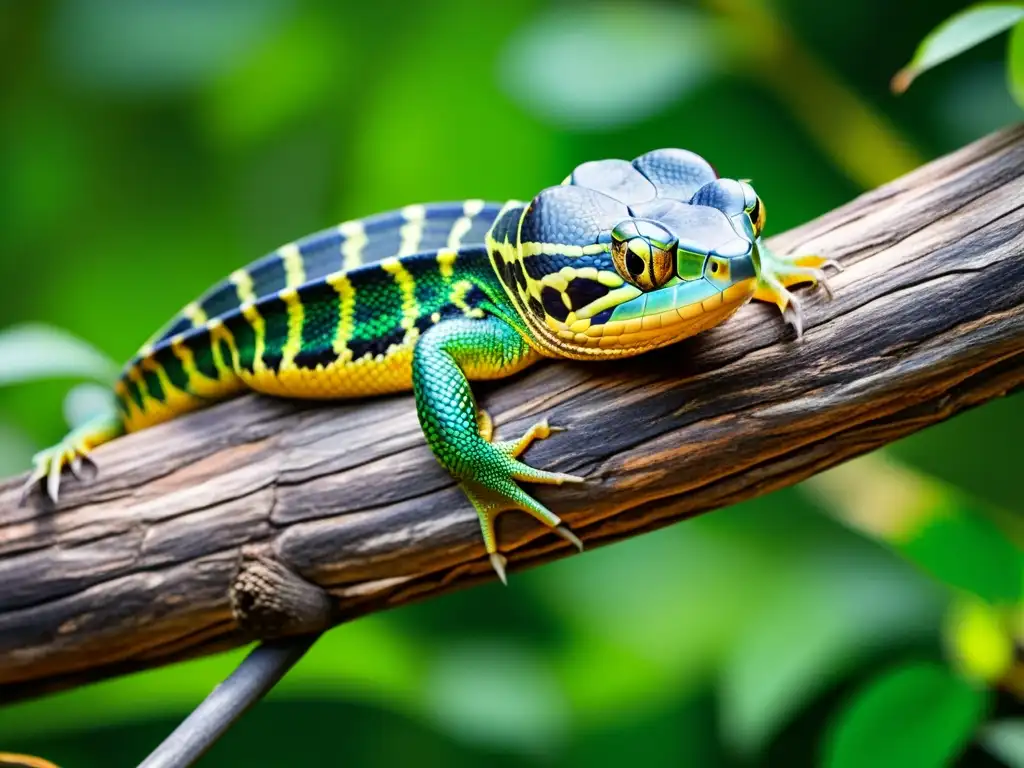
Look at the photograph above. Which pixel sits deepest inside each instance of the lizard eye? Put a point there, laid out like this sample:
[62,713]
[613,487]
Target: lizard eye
[754,208]
[645,264]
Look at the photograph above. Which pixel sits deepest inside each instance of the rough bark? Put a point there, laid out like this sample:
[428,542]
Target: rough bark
[261,517]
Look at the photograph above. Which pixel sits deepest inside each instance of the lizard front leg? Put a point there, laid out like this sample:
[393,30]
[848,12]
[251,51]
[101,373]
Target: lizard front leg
[777,273]
[487,472]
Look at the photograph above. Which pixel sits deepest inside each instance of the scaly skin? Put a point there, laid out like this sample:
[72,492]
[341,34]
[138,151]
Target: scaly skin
[619,259]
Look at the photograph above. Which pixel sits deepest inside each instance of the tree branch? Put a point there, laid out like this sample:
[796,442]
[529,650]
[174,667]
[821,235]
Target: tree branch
[260,517]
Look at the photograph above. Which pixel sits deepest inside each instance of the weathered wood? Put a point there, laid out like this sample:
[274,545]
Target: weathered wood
[137,569]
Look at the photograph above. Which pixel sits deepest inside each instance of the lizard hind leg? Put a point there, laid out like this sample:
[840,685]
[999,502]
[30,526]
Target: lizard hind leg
[71,452]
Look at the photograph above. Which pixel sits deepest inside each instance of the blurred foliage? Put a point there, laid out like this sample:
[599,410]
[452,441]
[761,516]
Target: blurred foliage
[964,30]
[871,616]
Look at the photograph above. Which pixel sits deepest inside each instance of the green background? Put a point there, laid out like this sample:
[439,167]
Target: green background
[148,148]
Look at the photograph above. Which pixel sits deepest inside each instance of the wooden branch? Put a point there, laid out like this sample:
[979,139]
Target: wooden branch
[232,523]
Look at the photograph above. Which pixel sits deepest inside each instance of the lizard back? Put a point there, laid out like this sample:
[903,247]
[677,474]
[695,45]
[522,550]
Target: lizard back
[335,314]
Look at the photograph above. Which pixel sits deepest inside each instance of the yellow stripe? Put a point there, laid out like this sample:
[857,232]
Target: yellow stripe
[346,314]
[407,287]
[353,244]
[555,249]
[255,319]
[195,314]
[412,230]
[243,285]
[295,312]
[610,299]
[218,332]
[446,262]
[294,269]
[458,298]
[470,209]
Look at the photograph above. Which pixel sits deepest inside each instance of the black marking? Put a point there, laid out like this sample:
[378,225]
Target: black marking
[320,319]
[122,405]
[312,358]
[536,308]
[275,330]
[602,317]
[553,304]
[202,352]
[506,226]
[135,391]
[224,349]
[582,292]
[375,346]
[173,367]
[517,268]
[153,386]
[245,340]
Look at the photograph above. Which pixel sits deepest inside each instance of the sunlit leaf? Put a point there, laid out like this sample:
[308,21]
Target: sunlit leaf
[955,35]
[1005,740]
[498,696]
[932,524]
[915,714]
[157,45]
[35,351]
[603,64]
[835,617]
[980,639]
[1015,63]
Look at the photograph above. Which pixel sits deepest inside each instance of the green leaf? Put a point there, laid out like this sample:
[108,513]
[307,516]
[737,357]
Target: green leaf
[955,35]
[763,683]
[87,401]
[604,65]
[1015,63]
[916,714]
[35,351]
[1005,740]
[497,695]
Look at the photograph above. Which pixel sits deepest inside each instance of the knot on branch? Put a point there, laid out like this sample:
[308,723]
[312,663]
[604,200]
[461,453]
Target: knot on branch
[269,600]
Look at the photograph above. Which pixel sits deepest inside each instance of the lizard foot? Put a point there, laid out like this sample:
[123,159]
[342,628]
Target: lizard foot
[778,273]
[490,484]
[71,452]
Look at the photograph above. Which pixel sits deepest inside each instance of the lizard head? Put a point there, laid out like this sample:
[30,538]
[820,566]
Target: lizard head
[625,257]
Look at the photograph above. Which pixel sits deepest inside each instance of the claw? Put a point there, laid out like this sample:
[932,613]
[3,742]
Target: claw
[498,562]
[568,535]
[792,315]
[53,479]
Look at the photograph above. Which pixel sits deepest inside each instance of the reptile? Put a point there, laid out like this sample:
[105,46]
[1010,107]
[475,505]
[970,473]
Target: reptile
[620,258]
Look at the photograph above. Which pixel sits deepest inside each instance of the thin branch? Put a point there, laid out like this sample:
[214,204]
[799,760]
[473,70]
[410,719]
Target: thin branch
[253,679]
[261,518]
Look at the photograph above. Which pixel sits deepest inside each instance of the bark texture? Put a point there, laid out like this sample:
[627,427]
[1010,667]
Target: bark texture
[260,517]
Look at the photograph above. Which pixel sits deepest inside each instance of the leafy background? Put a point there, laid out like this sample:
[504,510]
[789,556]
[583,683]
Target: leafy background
[871,616]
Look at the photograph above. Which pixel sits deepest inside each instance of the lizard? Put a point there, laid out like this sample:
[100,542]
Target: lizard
[620,258]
